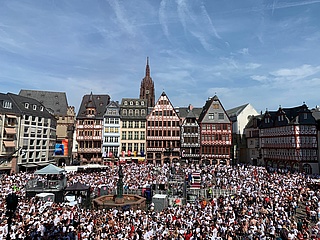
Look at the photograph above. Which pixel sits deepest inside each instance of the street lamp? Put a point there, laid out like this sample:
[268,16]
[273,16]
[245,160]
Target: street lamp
[12,203]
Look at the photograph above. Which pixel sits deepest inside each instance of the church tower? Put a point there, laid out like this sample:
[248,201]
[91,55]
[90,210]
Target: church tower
[147,87]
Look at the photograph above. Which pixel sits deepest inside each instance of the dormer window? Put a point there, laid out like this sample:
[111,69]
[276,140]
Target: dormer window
[125,103]
[280,118]
[137,103]
[34,107]
[131,103]
[305,116]
[142,103]
[41,108]
[26,105]
[7,104]
[267,120]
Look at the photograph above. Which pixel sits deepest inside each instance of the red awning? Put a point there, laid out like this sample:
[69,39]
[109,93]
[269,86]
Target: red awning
[9,144]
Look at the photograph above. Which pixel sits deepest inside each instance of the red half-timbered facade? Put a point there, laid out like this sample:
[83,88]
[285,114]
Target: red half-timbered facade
[163,132]
[215,133]
[289,139]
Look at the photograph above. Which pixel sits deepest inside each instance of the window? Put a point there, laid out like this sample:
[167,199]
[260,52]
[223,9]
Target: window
[143,112]
[130,135]
[211,116]
[41,108]
[137,103]
[130,112]
[136,112]
[7,104]
[124,135]
[34,107]
[26,105]
[136,135]
[125,103]
[136,124]
[130,124]
[124,124]
[143,124]
[305,116]
[131,103]
[221,116]
[142,103]
[142,135]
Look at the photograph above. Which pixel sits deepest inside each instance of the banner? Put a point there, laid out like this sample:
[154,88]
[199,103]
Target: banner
[65,143]
[59,149]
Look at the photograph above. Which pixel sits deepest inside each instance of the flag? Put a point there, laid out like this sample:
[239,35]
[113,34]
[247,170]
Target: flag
[110,154]
[123,153]
[142,153]
[135,153]
[129,153]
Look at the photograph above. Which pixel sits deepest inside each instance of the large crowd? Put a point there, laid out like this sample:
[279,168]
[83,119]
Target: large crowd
[264,205]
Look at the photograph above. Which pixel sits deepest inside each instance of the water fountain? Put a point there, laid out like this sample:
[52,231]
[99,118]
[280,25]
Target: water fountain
[120,200]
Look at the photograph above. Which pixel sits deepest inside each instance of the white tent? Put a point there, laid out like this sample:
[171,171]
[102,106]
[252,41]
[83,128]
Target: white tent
[50,169]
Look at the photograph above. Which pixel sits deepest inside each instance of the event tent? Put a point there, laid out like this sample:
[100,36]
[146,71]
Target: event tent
[50,169]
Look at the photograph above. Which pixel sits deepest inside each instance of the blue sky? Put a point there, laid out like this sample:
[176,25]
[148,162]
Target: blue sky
[261,52]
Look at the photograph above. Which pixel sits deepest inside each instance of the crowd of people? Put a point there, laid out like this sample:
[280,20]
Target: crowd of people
[264,206]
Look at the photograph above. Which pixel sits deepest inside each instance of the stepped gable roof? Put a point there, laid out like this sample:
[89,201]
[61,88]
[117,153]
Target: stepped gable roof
[35,108]
[55,102]
[98,102]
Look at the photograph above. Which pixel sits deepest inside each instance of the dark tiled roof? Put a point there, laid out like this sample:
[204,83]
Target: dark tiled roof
[184,112]
[235,111]
[55,102]
[99,102]
[14,107]
[294,115]
[34,106]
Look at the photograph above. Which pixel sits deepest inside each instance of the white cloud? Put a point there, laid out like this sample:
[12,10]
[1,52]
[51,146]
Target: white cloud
[252,65]
[259,78]
[299,72]
[244,51]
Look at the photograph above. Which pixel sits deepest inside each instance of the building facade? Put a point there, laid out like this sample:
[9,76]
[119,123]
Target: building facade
[163,133]
[89,127]
[56,103]
[215,133]
[289,139]
[239,117]
[190,134]
[111,132]
[28,133]
[133,129]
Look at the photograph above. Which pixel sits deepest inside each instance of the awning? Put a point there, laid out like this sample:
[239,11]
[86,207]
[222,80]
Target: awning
[10,130]
[9,144]
[11,116]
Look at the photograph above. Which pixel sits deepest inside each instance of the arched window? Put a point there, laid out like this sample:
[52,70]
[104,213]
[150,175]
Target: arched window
[307,168]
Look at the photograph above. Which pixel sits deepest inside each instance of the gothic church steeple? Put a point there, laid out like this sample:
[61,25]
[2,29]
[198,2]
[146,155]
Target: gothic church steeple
[147,87]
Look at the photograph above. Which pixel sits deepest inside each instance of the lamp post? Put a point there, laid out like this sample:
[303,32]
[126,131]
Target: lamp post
[12,203]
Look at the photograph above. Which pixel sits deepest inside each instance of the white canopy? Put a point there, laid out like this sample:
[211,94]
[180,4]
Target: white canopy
[50,169]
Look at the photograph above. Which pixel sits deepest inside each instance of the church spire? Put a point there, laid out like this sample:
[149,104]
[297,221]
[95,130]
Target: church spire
[147,68]
[147,87]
